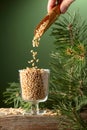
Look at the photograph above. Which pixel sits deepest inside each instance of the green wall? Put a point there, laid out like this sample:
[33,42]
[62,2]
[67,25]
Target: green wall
[17,23]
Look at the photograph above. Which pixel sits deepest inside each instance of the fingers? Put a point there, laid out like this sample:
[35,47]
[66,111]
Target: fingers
[51,4]
[64,5]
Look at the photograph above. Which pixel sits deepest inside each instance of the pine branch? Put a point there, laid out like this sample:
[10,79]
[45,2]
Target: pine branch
[12,95]
[69,68]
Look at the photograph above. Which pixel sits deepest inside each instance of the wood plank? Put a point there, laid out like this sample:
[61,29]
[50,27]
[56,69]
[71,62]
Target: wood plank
[12,119]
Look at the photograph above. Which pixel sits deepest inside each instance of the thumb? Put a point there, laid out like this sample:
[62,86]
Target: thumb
[65,4]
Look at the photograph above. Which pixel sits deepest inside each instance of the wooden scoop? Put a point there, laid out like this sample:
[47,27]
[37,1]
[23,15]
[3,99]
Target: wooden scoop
[47,21]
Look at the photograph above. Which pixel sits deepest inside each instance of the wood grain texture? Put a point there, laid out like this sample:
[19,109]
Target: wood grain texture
[21,122]
[13,119]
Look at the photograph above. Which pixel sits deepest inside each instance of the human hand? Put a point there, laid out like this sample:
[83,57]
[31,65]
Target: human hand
[63,7]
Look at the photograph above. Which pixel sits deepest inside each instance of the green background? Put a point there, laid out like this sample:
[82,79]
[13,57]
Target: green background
[18,20]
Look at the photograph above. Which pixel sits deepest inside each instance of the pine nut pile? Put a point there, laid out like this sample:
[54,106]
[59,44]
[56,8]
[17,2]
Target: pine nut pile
[11,111]
[34,84]
[20,111]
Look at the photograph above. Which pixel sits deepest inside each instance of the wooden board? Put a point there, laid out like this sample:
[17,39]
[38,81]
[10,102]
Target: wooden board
[22,122]
[14,119]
